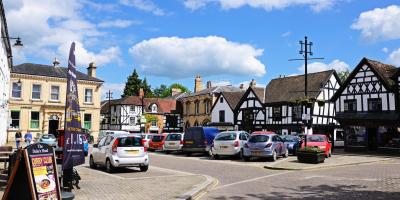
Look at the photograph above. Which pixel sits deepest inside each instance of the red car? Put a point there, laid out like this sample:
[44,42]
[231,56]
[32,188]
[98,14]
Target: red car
[320,141]
[263,132]
[157,142]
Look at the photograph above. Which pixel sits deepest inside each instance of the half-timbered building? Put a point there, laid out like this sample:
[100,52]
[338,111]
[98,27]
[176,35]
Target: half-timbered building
[223,112]
[290,112]
[367,107]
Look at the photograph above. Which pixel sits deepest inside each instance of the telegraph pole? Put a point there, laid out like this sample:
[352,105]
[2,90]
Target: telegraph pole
[305,50]
[109,97]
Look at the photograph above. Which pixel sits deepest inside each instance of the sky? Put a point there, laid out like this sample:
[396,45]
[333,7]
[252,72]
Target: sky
[228,42]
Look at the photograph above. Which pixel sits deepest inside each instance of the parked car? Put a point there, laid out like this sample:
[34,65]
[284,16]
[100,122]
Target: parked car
[104,133]
[198,139]
[229,143]
[49,139]
[321,141]
[157,142]
[264,145]
[146,139]
[263,132]
[119,150]
[173,142]
[292,143]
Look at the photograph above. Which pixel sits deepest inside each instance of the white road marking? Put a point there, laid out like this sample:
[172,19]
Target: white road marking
[340,178]
[251,180]
[170,170]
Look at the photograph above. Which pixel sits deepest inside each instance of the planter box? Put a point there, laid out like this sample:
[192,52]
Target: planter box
[308,157]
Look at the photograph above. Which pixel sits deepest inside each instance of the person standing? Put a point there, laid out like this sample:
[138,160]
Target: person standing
[28,138]
[18,138]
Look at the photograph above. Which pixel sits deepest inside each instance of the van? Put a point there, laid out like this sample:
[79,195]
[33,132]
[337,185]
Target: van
[198,139]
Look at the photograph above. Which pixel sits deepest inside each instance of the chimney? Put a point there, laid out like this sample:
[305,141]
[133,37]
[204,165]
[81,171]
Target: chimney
[252,83]
[141,93]
[241,86]
[197,84]
[56,62]
[91,70]
[176,91]
[208,84]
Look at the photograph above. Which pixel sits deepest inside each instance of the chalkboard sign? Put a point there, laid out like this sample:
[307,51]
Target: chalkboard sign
[35,173]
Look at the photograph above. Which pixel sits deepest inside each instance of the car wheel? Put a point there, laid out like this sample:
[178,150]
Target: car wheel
[144,168]
[286,153]
[109,167]
[273,158]
[167,152]
[188,154]
[91,163]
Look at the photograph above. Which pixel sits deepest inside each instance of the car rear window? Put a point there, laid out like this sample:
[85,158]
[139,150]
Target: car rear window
[258,138]
[130,142]
[157,138]
[174,137]
[48,137]
[195,134]
[315,138]
[226,136]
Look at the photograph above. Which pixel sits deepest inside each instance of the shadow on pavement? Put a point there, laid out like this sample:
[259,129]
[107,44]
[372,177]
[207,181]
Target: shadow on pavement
[341,151]
[321,192]
[117,170]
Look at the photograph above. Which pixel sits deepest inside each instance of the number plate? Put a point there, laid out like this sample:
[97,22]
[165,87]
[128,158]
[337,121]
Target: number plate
[223,147]
[132,151]
[256,153]
[189,142]
[172,143]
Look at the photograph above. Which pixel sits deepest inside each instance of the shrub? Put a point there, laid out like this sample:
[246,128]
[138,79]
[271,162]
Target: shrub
[311,150]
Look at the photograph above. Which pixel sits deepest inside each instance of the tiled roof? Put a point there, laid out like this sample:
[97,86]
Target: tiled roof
[232,98]
[385,71]
[50,71]
[291,88]
[215,89]
[163,105]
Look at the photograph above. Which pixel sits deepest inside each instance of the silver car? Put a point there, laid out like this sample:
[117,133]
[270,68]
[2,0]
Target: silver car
[229,143]
[265,145]
[173,142]
[119,150]
[146,139]
[49,139]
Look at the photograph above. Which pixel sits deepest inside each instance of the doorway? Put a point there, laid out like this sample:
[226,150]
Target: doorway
[372,139]
[53,124]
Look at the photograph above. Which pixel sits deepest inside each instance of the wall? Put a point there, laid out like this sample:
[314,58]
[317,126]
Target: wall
[4,87]
[222,106]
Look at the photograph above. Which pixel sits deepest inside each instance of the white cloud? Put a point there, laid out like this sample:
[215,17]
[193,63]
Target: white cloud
[337,65]
[184,57]
[268,5]
[118,23]
[379,24]
[47,28]
[286,34]
[394,57]
[145,5]
[116,89]
[385,50]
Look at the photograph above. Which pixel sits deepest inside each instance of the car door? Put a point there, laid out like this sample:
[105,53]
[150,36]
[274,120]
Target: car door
[278,144]
[282,145]
[96,150]
[105,149]
[243,139]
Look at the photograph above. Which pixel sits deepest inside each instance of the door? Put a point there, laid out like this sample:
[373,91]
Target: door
[372,139]
[96,150]
[53,126]
[104,149]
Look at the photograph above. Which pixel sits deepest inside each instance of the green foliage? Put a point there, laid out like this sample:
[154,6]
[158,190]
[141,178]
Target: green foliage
[133,85]
[146,88]
[311,150]
[150,118]
[180,86]
[164,91]
[343,75]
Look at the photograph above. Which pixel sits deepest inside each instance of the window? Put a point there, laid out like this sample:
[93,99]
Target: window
[16,90]
[132,121]
[154,108]
[34,120]
[87,121]
[153,123]
[222,116]
[276,113]
[356,136]
[15,119]
[350,105]
[187,108]
[132,108]
[374,104]
[88,95]
[221,100]
[388,137]
[196,107]
[36,91]
[55,93]
[206,106]
[296,113]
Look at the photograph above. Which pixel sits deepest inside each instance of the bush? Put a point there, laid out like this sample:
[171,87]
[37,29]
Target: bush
[311,150]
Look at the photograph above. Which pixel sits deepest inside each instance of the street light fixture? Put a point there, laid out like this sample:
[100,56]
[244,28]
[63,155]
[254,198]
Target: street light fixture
[18,42]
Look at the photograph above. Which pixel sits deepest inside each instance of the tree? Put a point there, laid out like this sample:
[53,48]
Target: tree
[162,91]
[343,75]
[146,88]
[180,86]
[132,85]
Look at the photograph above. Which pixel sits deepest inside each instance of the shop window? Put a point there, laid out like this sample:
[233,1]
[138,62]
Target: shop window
[374,104]
[388,137]
[356,136]
[15,119]
[339,136]
[350,105]
[34,120]
[296,113]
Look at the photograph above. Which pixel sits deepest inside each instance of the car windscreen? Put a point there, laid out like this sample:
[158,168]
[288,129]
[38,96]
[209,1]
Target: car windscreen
[48,137]
[130,142]
[157,138]
[290,138]
[225,137]
[315,138]
[174,137]
[258,138]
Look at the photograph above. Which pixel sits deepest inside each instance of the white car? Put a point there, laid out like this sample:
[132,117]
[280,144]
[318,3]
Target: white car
[119,150]
[104,133]
[229,143]
[146,139]
[173,142]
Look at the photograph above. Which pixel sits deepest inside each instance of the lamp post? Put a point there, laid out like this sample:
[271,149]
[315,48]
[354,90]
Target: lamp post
[17,43]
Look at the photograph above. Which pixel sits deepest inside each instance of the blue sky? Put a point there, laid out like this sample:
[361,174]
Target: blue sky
[225,41]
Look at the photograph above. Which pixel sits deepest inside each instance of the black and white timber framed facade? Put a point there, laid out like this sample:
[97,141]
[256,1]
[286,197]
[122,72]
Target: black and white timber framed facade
[250,113]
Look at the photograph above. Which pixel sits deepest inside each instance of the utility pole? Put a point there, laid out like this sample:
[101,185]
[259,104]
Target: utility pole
[109,97]
[305,50]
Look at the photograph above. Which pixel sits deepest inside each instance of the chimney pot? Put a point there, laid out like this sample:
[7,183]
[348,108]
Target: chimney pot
[209,84]
[91,70]
[56,62]
[141,92]
[241,86]
[197,84]
[253,83]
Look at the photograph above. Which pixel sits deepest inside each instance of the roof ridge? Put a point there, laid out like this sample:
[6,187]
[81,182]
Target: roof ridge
[312,73]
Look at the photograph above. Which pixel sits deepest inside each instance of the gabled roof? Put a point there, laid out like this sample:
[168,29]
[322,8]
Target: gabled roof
[232,98]
[291,88]
[384,72]
[163,105]
[258,91]
[215,89]
[49,71]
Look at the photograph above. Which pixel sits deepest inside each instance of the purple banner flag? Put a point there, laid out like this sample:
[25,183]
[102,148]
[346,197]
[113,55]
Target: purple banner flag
[73,144]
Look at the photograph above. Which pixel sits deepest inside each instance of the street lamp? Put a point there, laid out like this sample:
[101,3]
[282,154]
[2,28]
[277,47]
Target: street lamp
[18,43]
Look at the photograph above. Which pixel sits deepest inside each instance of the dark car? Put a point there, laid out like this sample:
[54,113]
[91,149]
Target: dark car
[198,139]
[292,143]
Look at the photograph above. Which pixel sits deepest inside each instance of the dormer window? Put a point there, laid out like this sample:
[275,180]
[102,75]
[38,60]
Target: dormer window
[154,108]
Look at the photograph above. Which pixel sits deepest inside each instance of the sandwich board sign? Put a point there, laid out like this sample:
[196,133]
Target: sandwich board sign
[34,175]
